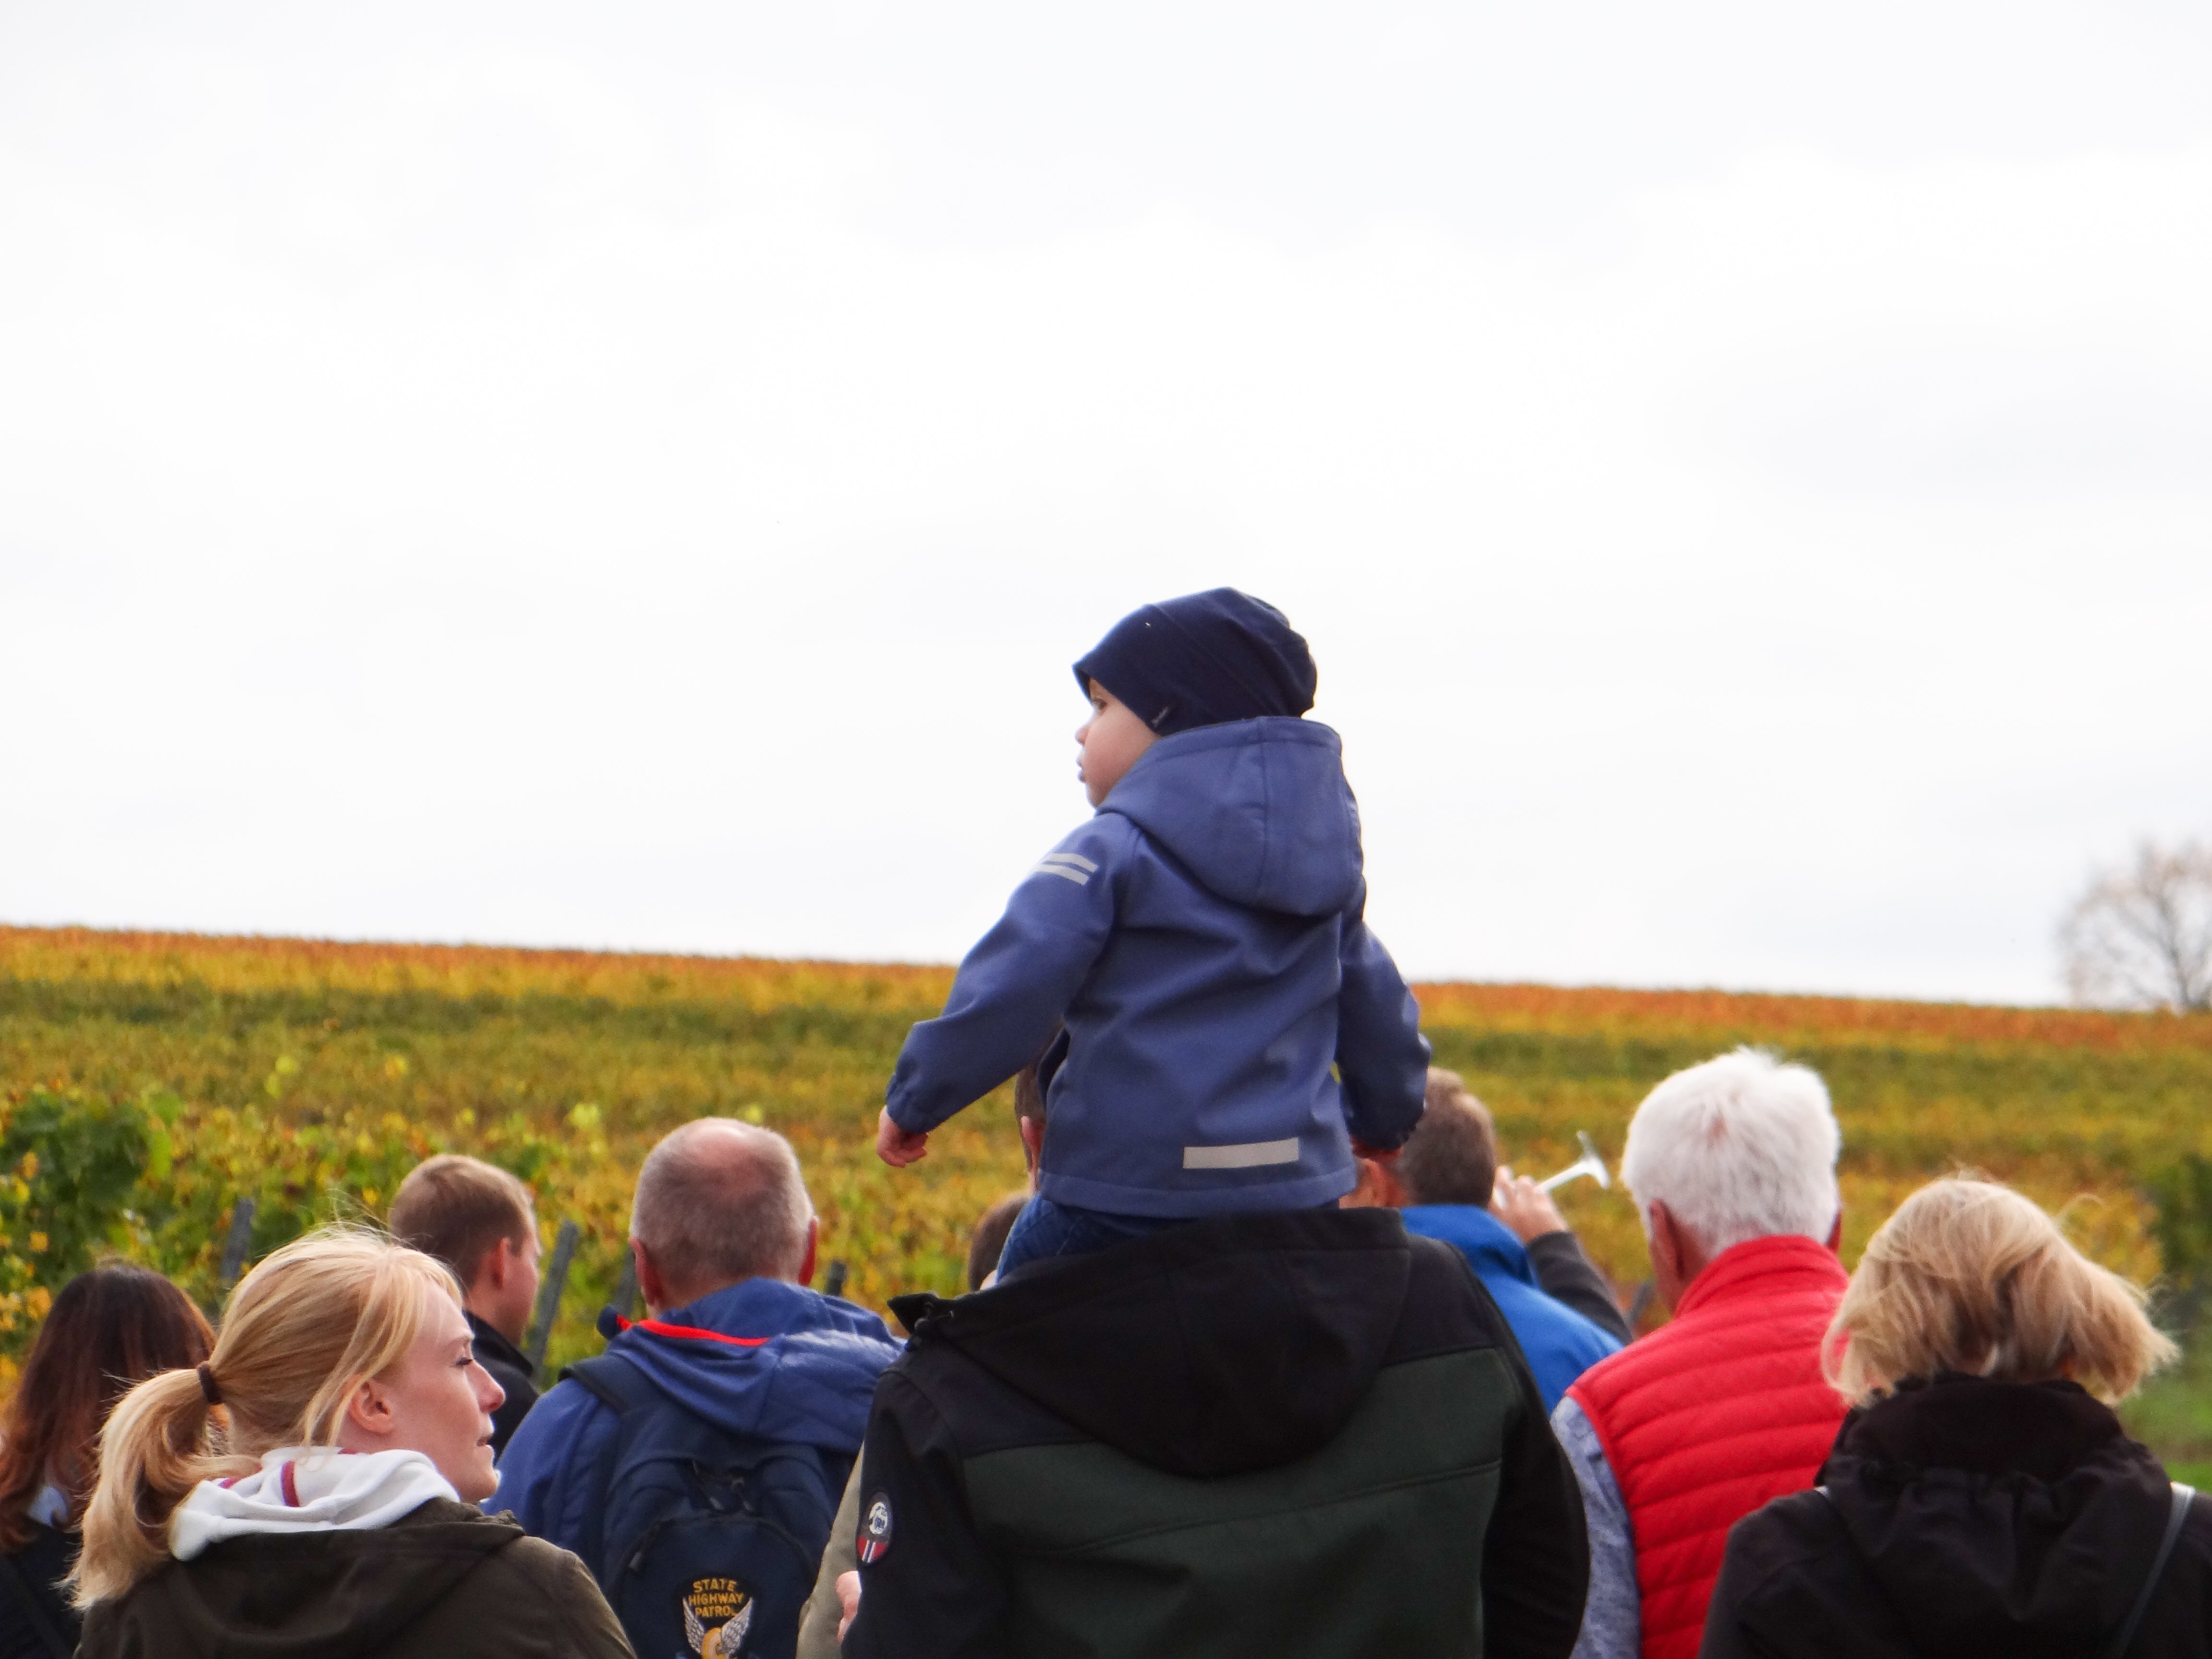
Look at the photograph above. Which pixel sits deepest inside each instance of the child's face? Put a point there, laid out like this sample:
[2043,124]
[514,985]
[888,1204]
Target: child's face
[1112,739]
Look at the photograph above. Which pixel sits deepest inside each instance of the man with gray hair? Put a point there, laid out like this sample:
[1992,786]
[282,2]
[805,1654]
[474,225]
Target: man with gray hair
[1679,1436]
[739,1365]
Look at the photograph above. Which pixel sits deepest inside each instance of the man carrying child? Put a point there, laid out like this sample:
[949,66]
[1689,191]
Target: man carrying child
[1204,1410]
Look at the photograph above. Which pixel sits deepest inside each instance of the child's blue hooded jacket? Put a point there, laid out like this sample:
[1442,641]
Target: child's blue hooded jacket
[1201,940]
[761,1358]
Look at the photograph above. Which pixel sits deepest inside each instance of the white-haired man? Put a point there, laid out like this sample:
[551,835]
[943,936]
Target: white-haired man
[1677,1437]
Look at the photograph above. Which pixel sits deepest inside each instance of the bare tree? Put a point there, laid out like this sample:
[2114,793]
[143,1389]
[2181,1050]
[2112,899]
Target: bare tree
[2141,938]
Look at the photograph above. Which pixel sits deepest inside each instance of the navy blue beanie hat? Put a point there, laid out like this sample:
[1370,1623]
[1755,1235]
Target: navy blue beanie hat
[1203,659]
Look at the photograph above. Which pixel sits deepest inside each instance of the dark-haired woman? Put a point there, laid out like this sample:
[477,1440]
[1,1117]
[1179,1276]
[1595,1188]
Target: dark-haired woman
[108,1329]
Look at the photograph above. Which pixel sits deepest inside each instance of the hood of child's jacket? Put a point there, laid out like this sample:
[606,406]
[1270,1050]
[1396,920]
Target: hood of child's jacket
[1999,1518]
[768,1358]
[1226,1345]
[331,1594]
[1258,811]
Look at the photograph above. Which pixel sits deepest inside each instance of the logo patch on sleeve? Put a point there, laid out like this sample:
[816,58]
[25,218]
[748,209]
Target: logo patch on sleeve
[875,1536]
[717,1611]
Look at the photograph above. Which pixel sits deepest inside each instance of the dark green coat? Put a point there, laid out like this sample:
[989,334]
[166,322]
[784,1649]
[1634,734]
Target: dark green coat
[444,1581]
[1271,1435]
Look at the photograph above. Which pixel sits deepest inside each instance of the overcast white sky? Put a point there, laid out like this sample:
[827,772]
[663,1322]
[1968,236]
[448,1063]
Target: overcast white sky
[636,476]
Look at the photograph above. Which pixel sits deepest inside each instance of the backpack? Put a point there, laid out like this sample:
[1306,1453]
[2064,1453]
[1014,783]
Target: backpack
[706,1544]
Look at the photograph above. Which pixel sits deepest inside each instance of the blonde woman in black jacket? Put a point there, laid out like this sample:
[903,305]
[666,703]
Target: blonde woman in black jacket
[312,1489]
[1981,1498]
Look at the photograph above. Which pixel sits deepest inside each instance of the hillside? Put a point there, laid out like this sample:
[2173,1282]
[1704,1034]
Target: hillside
[312,1075]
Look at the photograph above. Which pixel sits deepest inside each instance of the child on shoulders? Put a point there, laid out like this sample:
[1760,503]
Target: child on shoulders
[1231,1030]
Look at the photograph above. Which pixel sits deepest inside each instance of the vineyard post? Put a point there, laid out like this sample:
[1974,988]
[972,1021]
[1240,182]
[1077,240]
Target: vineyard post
[625,1301]
[240,1240]
[1640,1303]
[548,1295]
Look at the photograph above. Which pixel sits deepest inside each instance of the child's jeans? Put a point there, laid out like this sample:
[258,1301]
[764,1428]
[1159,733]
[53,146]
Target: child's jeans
[1045,1229]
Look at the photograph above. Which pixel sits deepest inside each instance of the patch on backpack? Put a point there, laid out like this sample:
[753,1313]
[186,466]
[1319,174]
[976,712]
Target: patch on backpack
[875,1535]
[716,1614]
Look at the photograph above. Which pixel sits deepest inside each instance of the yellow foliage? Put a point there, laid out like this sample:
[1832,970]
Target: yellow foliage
[312,1075]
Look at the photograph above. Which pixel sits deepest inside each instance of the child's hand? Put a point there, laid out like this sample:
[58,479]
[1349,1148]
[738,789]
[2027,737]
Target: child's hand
[895,1147]
[1361,1149]
[849,1602]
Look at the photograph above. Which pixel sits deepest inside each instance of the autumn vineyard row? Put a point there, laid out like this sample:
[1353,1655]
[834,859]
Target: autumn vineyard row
[148,1082]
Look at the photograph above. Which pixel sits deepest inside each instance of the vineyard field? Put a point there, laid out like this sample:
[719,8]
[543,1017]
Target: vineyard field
[150,1080]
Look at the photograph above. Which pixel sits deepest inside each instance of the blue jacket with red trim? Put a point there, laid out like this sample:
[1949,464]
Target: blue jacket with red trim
[762,1357]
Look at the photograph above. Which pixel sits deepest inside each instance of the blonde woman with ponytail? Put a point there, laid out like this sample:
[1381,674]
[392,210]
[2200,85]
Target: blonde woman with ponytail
[1981,1496]
[311,1488]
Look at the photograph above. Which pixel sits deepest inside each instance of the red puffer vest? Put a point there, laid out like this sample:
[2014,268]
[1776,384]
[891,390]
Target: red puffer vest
[1712,1415]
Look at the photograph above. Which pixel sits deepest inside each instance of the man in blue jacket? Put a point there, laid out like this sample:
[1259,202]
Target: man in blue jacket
[1443,1184]
[1230,1025]
[724,1235]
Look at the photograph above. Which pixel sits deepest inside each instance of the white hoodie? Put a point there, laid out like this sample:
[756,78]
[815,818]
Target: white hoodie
[301,1489]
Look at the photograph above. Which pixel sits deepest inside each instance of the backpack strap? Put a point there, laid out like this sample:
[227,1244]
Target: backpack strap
[622,1388]
[35,1610]
[2177,1513]
[614,1383]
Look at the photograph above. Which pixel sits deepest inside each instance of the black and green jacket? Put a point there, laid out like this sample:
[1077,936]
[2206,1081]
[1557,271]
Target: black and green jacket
[1301,1433]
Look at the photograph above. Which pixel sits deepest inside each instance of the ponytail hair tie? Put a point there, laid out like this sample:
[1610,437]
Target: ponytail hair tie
[208,1390]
